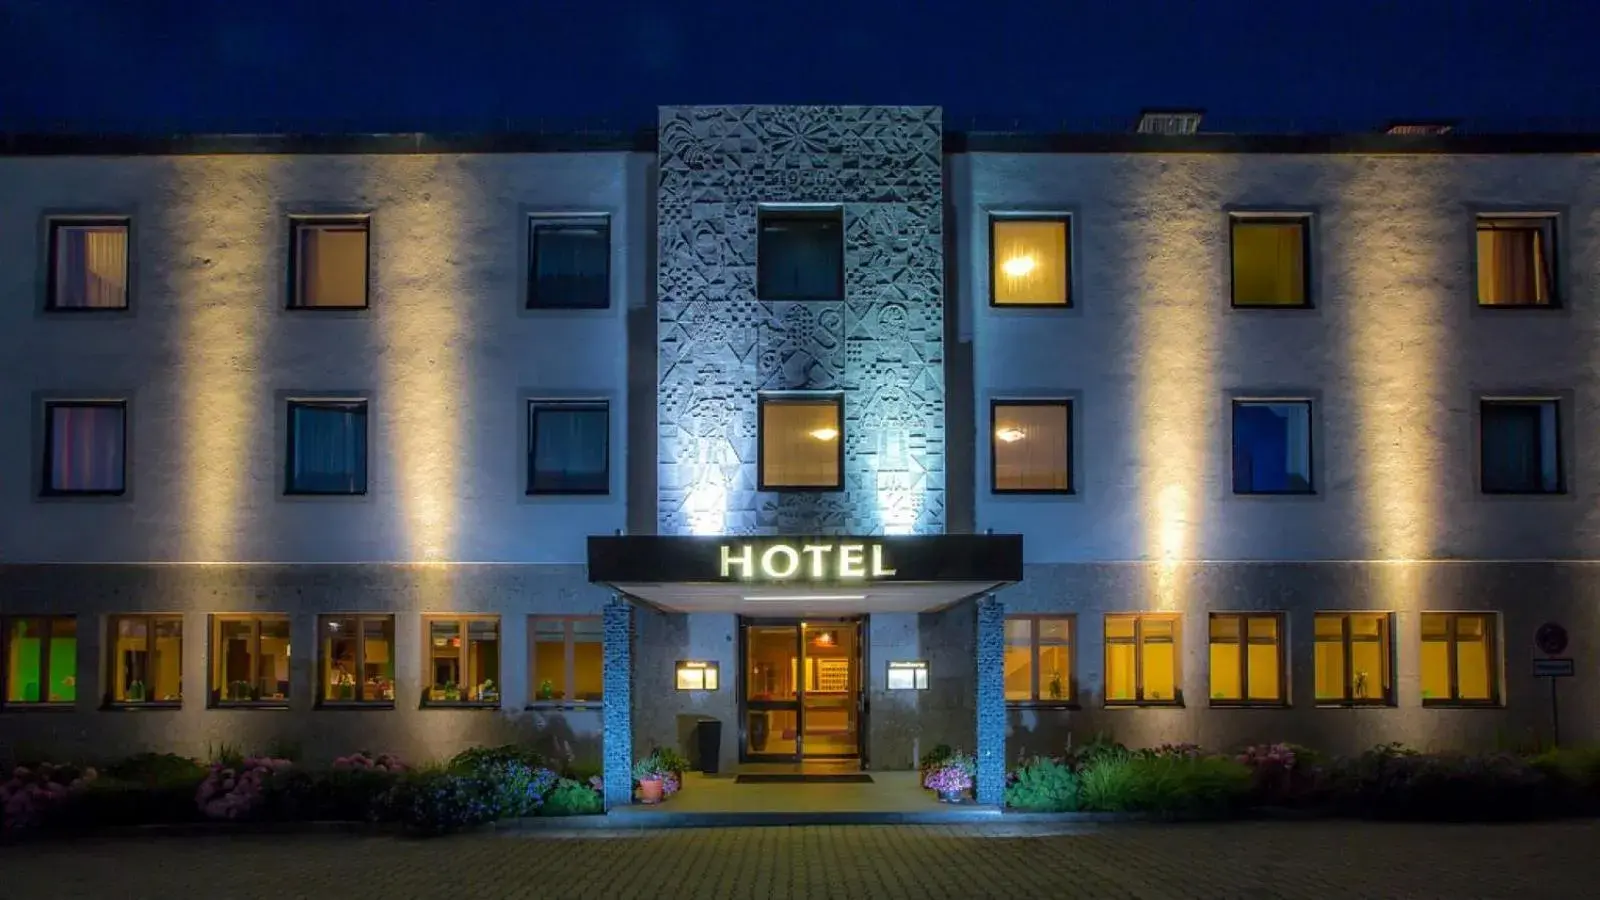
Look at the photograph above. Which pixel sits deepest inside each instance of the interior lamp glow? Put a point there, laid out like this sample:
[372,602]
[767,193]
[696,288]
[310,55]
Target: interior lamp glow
[1018,266]
[825,434]
[1009,435]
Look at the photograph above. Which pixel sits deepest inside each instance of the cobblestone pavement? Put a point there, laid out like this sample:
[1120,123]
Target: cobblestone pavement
[1241,860]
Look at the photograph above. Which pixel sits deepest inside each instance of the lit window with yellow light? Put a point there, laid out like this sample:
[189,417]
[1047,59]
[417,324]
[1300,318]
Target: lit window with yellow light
[355,660]
[146,660]
[801,443]
[1142,660]
[328,263]
[1460,659]
[1032,260]
[1271,265]
[250,660]
[462,659]
[1247,664]
[1038,660]
[88,264]
[1353,659]
[567,663]
[1032,447]
[41,660]
[1516,260]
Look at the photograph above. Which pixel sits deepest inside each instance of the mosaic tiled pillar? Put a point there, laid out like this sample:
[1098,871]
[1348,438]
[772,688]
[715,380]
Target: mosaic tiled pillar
[617,675]
[991,649]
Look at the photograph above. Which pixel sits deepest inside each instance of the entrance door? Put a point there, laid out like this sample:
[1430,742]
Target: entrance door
[801,694]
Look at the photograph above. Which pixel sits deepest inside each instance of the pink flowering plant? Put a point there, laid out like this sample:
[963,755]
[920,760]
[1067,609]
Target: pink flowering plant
[238,791]
[1282,774]
[31,792]
[1177,751]
[953,776]
[363,761]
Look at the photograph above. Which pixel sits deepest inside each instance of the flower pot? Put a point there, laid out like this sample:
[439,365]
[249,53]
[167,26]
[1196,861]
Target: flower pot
[951,796]
[650,790]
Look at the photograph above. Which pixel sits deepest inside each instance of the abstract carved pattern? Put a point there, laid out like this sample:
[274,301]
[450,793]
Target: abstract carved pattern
[720,345]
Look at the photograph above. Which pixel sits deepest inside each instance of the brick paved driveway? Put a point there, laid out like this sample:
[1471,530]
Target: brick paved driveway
[1239,860]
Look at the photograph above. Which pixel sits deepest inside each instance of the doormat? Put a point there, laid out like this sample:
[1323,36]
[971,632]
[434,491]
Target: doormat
[784,778]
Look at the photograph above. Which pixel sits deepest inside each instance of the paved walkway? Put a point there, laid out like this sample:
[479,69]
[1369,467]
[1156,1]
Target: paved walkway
[1318,860]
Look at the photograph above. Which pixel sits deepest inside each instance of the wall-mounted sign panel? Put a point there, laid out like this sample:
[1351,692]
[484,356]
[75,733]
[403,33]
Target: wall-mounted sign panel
[806,560]
[695,675]
[908,675]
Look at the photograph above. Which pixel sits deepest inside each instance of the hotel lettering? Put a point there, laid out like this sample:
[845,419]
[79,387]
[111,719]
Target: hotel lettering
[814,562]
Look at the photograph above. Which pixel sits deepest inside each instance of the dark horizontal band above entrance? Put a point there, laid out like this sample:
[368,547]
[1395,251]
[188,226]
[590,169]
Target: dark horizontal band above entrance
[995,558]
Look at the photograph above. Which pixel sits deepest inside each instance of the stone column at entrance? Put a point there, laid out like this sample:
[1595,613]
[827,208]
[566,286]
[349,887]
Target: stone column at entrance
[991,649]
[617,677]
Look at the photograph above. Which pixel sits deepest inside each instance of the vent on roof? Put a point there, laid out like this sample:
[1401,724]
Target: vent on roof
[1169,121]
[1419,128]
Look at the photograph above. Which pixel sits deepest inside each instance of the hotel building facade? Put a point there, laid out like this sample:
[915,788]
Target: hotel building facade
[851,433]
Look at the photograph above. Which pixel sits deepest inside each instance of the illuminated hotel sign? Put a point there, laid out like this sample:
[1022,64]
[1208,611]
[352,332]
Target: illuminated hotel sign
[806,561]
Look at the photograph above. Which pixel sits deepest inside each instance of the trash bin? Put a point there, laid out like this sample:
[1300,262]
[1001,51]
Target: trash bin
[710,739]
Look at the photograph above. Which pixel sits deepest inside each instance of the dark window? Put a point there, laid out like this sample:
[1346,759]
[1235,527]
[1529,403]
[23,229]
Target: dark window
[1272,447]
[801,444]
[1521,447]
[85,447]
[1516,260]
[41,660]
[88,264]
[328,267]
[1032,445]
[1271,261]
[146,665]
[569,265]
[569,448]
[355,659]
[800,255]
[327,447]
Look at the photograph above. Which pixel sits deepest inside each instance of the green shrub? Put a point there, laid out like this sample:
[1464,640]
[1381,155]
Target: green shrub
[225,754]
[112,803]
[671,760]
[1206,787]
[1101,748]
[1574,773]
[932,760]
[1389,783]
[1043,785]
[477,757]
[156,769]
[572,798]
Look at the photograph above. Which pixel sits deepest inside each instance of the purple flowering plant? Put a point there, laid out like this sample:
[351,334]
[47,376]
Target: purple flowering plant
[235,792]
[30,792]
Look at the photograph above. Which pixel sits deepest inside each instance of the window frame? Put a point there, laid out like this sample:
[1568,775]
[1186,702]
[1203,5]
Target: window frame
[320,698]
[290,404]
[569,656]
[1305,219]
[1037,701]
[1138,659]
[830,211]
[1069,462]
[1281,642]
[534,406]
[1485,401]
[298,222]
[1065,218]
[216,697]
[1553,259]
[150,620]
[464,622]
[47,622]
[1389,694]
[47,470]
[537,221]
[52,278]
[1491,624]
[779,397]
[1284,399]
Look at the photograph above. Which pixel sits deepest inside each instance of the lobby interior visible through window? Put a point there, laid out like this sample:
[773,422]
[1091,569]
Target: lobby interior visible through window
[801,443]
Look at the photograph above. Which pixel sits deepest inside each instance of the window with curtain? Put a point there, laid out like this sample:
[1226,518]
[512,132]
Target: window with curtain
[1142,660]
[1032,446]
[355,659]
[1353,658]
[329,264]
[1031,260]
[802,443]
[1038,660]
[1520,449]
[88,264]
[800,254]
[1272,447]
[1247,659]
[85,447]
[463,661]
[1271,265]
[567,665]
[145,667]
[569,264]
[250,660]
[1516,260]
[569,447]
[41,659]
[327,447]
[1460,659]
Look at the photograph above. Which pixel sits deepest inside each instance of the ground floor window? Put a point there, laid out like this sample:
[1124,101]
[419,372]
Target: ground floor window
[250,660]
[567,663]
[463,660]
[1353,658]
[1142,660]
[1247,666]
[1459,659]
[1038,660]
[145,664]
[355,659]
[41,655]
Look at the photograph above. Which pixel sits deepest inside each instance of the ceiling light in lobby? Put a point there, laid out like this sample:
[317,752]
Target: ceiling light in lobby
[820,598]
[1018,266]
[1009,435]
[825,434]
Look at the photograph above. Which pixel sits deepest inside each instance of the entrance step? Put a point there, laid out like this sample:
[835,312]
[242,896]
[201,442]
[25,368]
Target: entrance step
[665,817]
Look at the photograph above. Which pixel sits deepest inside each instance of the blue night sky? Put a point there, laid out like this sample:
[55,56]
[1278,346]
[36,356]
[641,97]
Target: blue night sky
[407,65]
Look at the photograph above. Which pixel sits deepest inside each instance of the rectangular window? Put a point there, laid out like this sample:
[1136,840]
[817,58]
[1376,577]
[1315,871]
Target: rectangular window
[1354,660]
[1038,660]
[1460,659]
[88,264]
[1032,261]
[1032,446]
[328,266]
[1272,447]
[1520,450]
[1142,654]
[1247,662]
[569,264]
[569,447]
[41,654]
[1516,261]
[327,447]
[463,661]
[355,660]
[1271,261]
[145,667]
[567,659]
[802,443]
[250,660]
[85,447]
[800,254]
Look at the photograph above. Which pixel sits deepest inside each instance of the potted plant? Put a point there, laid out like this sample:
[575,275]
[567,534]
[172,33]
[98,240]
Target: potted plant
[136,692]
[648,774]
[344,686]
[239,691]
[547,690]
[1057,689]
[450,692]
[758,731]
[952,778]
[488,692]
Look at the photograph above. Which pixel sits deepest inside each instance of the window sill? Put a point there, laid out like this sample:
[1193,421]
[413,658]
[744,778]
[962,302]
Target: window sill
[565,704]
[1143,704]
[1043,704]
[994,304]
[567,307]
[135,706]
[250,704]
[1355,704]
[1032,492]
[1248,704]
[1273,307]
[1521,307]
[24,706]
[355,704]
[458,704]
[1461,704]
[86,310]
[328,307]
[551,492]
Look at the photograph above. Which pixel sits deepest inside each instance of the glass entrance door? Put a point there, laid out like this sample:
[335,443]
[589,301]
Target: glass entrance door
[802,690]
[830,707]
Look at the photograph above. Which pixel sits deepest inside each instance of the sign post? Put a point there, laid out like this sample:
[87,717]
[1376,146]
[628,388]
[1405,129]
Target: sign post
[1551,639]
